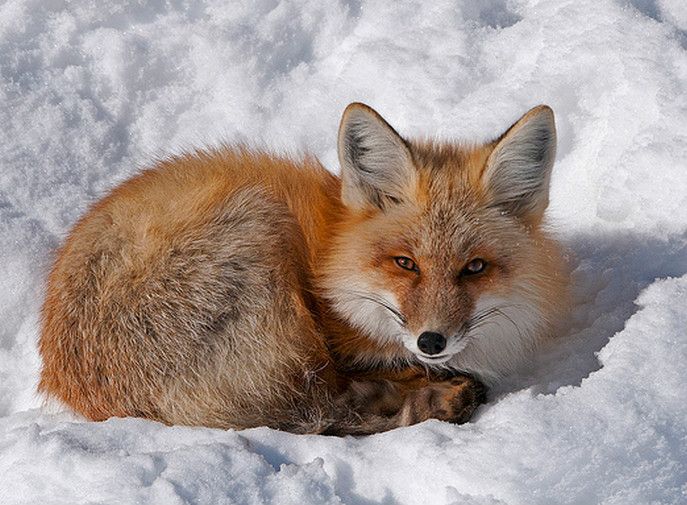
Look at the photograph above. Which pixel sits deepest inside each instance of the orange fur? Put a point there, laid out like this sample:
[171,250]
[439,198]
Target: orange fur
[219,288]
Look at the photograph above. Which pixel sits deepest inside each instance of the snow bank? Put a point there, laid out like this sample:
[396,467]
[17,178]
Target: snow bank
[91,91]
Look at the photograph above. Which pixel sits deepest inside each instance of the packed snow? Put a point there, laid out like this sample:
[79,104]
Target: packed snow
[92,91]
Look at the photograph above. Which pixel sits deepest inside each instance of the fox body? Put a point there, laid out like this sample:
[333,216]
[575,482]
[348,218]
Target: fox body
[232,288]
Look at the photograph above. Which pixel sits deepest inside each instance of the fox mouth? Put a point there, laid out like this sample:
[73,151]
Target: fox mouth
[459,343]
[434,359]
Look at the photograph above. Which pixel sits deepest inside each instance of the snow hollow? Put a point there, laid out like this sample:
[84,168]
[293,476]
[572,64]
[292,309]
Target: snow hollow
[92,91]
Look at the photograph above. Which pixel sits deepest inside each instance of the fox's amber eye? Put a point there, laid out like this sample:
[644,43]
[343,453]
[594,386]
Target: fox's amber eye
[406,263]
[475,266]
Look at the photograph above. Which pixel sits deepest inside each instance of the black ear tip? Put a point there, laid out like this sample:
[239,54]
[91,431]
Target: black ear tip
[360,110]
[543,112]
[357,105]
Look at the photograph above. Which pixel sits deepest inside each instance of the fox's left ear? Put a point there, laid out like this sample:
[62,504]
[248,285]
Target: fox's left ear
[518,171]
[376,164]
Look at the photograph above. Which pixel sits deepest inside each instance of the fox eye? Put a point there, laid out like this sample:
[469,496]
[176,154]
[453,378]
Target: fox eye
[475,266]
[406,263]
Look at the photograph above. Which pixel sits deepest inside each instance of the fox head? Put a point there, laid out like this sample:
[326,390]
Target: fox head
[442,254]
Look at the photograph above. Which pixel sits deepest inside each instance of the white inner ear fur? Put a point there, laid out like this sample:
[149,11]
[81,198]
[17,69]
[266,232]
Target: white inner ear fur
[376,164]
[518,171]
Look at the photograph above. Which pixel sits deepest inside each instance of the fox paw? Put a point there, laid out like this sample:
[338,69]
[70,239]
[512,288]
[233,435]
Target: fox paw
[453,400]
[375,397]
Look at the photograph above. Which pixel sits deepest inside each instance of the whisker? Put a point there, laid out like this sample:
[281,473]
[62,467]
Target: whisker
[481,317]
[517,328]
[488,316]
[401,319]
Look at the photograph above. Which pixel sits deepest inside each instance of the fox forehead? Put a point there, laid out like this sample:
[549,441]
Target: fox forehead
[449,213]
[450,168]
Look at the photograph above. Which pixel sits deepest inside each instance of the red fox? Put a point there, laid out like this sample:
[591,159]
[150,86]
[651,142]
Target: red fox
[231,288]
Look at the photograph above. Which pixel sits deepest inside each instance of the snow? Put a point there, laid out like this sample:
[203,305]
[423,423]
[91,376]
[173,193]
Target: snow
[91,91]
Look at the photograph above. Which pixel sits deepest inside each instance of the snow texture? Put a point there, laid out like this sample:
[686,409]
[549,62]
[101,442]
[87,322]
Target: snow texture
[91,91]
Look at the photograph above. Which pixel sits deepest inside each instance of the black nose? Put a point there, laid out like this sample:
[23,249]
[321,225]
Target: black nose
[431,343]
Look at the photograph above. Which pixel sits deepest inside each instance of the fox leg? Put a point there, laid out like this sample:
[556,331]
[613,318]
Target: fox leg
[453,400]
[381,402]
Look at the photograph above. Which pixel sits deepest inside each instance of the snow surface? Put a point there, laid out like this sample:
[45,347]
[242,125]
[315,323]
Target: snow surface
[90,91]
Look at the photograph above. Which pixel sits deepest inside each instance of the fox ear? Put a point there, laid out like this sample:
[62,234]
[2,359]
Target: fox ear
[518,170]
[376,164]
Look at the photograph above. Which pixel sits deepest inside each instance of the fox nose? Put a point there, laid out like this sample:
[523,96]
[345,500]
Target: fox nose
[431,343]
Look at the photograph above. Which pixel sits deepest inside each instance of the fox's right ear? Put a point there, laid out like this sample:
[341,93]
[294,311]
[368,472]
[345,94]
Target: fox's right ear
[518,170]
[376,165]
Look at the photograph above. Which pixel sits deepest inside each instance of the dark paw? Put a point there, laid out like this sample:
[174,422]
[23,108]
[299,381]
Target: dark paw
[453,400]
[467,396]
[376,397]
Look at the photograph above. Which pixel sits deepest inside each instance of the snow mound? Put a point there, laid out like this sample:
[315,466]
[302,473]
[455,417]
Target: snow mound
[92,91]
